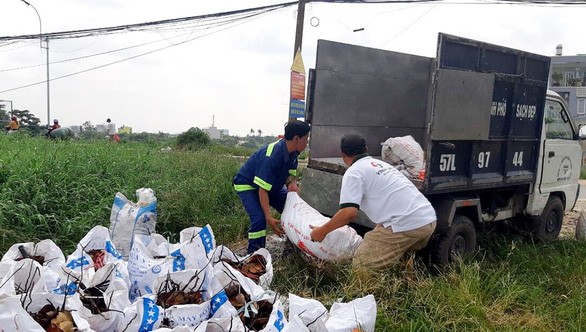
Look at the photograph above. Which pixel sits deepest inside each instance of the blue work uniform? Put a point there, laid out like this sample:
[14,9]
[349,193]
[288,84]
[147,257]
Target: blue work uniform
[267,168]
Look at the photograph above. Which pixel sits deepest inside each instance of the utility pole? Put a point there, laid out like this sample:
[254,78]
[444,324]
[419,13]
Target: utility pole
[48,94]
[299,30]
[8,101]
[296,104]
[46,48]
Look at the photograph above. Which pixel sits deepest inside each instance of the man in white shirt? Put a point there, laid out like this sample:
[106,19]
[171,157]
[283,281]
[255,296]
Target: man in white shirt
[405,219]
[111,129]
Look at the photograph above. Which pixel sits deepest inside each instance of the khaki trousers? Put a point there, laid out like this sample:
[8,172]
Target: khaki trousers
[382,248]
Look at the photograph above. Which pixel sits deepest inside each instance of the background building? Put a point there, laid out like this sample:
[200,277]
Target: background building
[568,79]
[214,132]
[125,130]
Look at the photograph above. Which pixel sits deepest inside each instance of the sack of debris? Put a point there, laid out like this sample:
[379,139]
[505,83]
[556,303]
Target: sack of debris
[93,252]
[105,297]
[45,252]
[356,315]
[56,312]
[128,219]
[257,266]
[145,266]
[341,244]
[405,154]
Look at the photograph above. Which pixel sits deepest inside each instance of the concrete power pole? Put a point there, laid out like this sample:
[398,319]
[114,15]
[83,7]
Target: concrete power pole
[299,30]
[299,33]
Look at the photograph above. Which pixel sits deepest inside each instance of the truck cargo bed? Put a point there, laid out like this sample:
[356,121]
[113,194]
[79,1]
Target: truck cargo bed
[476,109]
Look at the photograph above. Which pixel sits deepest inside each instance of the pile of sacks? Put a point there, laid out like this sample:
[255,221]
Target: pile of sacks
[156,285]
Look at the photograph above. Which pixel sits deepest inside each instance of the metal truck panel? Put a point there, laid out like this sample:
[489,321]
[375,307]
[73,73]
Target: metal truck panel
[329,138]
[469,118]
[378,96]
[316,184]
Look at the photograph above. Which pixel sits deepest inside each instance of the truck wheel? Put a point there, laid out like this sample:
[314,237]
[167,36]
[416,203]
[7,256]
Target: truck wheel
[547,226]
[458,241]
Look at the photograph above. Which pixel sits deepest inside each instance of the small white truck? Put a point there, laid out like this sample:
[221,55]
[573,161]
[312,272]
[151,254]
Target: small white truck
[497,144]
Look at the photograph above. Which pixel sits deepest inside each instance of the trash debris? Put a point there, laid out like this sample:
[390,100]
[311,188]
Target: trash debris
[179,286]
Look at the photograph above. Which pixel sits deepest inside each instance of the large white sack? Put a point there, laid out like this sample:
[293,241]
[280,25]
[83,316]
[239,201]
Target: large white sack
[115,296]
[358,313]
[24,277]
[143,315]
[342,317]
[404,150]
[14,318]
[222,324]
[143,267]
[225,275]
[309,313]
[187,280]
[51,253]
[94,251]
[340,244]
[71,303]
[225,253]
[128,219]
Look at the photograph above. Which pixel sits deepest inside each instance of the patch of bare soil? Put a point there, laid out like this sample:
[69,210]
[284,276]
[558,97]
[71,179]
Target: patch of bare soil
[570,219]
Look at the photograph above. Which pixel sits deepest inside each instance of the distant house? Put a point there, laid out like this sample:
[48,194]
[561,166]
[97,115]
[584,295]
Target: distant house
[76,129]
[101,128]
[125,130]
[568,78]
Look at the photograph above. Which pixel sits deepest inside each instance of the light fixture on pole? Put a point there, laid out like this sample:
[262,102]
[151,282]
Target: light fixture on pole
[8,101]
[47,48]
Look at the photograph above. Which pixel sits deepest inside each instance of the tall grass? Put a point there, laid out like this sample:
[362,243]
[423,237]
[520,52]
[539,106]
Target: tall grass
[60,190]
[510,285]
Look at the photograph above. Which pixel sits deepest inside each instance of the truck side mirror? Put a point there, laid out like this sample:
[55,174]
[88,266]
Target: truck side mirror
[582,131]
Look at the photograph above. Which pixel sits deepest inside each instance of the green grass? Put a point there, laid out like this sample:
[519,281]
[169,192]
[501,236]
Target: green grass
[60,190]
[509,286]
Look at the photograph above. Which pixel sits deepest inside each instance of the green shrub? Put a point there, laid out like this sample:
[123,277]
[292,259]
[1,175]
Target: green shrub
[193,139]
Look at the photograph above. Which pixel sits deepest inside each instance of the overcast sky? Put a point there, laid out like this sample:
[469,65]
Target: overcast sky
[238,73]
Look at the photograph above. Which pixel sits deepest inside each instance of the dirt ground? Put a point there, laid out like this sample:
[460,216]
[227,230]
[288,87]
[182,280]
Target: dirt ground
[571,218]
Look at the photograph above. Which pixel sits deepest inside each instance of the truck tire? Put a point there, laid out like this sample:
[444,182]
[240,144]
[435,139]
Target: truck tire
[547,226]
[458,241]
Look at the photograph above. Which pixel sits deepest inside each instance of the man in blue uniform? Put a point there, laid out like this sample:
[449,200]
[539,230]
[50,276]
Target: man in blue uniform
[265,179]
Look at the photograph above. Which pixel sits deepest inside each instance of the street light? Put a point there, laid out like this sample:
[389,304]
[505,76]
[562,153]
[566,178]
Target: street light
[47,48]
[8,101]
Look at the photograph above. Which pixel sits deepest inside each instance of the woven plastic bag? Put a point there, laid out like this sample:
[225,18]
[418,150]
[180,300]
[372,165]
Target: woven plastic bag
[128,219]
[340,244]
[404,150]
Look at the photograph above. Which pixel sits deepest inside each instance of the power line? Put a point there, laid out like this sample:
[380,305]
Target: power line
[141,26]
[238,21]
[410,25]
[537,2]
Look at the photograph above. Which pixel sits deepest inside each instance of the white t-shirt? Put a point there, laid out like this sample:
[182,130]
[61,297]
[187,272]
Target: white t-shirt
[111,128]
[385,195]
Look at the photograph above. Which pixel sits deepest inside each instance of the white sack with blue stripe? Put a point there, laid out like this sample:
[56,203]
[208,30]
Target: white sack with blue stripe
[144,266]
[94,251]
[128,219]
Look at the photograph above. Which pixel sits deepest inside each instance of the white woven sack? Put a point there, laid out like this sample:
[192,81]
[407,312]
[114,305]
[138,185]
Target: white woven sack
[128,219]
[405,149]
[340,244]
